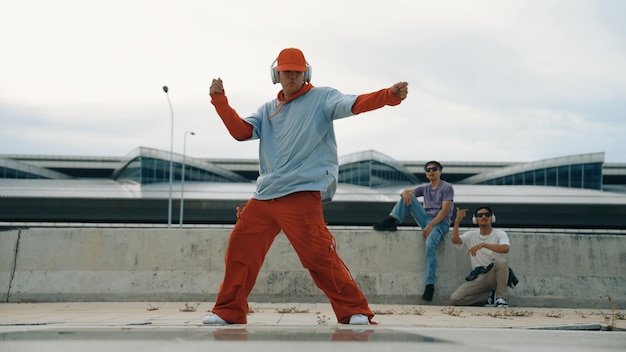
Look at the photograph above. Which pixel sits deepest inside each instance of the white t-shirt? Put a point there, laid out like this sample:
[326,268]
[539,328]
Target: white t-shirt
[484,256]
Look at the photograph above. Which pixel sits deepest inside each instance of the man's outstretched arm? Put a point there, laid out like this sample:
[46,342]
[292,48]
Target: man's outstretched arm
[389,96]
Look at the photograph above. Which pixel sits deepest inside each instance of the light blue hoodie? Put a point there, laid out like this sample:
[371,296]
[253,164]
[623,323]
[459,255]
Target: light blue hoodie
[297,146]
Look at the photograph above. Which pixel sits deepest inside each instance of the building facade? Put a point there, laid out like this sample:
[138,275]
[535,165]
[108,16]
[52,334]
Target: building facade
[579,191]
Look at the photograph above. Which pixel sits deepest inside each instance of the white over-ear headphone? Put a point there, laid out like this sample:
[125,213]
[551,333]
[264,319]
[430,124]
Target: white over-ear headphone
[276,79]
[475,221]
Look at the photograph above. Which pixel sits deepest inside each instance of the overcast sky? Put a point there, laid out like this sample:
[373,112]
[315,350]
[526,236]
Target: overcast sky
[488,80]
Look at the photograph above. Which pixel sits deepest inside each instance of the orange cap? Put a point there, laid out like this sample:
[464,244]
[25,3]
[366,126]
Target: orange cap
[291,59]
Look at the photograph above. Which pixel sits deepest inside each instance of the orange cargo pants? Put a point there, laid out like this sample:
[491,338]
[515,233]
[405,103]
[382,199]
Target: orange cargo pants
[300,217]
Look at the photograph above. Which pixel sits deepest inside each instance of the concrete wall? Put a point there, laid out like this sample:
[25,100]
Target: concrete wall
[556,269]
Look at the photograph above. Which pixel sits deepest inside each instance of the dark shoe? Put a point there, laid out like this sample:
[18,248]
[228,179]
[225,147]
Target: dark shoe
[428,293]
[389,224]
[491,300]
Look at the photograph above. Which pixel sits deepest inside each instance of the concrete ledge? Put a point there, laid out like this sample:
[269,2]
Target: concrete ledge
[147,264]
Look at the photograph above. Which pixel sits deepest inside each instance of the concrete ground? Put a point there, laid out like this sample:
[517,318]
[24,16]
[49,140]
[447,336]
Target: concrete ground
[177,326]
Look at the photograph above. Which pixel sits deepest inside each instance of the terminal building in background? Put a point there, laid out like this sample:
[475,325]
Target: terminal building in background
[575,192]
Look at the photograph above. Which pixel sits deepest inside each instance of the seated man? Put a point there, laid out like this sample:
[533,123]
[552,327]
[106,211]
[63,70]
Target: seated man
[434,217]
[487,247]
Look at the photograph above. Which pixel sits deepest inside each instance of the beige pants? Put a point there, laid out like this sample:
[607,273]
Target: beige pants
[478,290]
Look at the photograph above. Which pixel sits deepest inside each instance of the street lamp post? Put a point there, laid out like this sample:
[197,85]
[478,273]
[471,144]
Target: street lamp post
[182,179]
[169,202]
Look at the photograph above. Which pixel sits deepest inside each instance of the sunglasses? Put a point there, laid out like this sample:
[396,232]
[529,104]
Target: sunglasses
[429,169]
[480,215]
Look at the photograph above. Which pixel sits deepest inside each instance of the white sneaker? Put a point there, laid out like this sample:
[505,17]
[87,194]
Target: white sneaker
[214,319]
[502,303]
[359,319]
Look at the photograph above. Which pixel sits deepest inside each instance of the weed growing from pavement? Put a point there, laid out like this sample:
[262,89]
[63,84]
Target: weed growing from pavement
[405,311]
[452,311]
[321,319]
[554,314]
[252,310]
[189,308]
[151,308]
[506,313]
[581,314]
[412,311]
[610,318]
[292,310]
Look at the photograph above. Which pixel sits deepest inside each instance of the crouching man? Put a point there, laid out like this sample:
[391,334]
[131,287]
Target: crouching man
[487,282]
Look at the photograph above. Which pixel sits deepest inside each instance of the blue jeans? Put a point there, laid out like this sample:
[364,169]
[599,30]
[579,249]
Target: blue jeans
[400,211]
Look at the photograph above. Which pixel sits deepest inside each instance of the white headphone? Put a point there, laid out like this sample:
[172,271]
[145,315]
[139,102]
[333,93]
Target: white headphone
[276,79]
[475,221]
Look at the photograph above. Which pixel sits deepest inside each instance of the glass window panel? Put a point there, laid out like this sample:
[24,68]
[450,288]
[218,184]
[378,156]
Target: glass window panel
[529,178]
[551,175]
[563,176]
[540,177]
[576,176]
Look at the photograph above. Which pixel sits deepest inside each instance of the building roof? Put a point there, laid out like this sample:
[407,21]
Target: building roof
[10,168]
[369,184]
[521,168]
